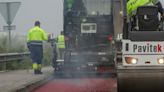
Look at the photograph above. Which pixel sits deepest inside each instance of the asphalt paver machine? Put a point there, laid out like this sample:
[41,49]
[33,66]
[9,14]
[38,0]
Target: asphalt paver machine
[88,29]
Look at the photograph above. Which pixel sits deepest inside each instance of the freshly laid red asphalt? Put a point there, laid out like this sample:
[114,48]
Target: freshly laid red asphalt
[80,85]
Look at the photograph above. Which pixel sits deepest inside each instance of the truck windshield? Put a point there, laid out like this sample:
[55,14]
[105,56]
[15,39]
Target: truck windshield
[98,7]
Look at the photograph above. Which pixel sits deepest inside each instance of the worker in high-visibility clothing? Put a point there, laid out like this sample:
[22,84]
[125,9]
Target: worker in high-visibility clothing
[61,45]
[69,4]
[132,6]
[35,39]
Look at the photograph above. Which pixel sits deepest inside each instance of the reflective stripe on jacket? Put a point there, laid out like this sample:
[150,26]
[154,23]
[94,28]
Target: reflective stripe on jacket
[35,42]
[61,41]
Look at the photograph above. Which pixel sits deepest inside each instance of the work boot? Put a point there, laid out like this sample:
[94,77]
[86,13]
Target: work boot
[36,72]
[40,72]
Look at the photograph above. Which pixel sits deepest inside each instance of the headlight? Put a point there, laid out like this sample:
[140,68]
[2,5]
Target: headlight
[89,64]
[131,60]
[161,61]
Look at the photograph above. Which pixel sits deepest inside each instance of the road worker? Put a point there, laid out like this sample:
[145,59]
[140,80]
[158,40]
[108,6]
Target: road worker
[61,45]
[70,4]
[132,5]
[35,39]
[53,41]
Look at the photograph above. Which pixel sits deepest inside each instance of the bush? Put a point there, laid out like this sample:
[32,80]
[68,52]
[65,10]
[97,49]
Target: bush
[47,54]
[18,44]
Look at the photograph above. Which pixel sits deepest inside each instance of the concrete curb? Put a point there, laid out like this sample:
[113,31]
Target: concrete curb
[35,84]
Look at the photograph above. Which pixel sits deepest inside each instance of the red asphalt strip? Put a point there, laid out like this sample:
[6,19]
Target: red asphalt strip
[79,85]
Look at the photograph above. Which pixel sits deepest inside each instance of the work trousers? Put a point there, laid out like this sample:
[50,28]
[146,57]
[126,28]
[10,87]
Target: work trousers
[36,53]
[61,53]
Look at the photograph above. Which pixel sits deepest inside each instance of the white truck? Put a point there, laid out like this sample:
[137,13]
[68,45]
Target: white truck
[140,53]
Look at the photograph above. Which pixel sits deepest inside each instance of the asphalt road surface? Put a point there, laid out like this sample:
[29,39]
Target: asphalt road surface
[79,85]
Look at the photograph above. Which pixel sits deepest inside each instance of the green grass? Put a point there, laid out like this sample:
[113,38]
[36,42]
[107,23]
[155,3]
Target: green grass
[18,44]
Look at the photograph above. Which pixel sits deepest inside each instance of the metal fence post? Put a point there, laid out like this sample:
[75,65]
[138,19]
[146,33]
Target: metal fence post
[5,67]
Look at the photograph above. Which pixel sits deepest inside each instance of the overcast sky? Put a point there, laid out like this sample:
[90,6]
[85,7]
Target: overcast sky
[49,12]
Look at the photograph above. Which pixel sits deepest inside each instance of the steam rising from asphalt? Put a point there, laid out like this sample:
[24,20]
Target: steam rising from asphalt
[81,62]
[79,67]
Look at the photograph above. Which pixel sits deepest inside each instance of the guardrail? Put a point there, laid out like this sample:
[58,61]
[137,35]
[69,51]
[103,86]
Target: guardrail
[6,57]
[10,57]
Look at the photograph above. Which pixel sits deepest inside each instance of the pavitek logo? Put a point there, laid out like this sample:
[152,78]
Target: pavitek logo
[147,48]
